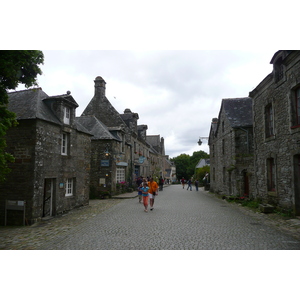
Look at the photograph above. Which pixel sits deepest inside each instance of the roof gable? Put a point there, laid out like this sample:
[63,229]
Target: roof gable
[238,111]
[28,104]
[95,127]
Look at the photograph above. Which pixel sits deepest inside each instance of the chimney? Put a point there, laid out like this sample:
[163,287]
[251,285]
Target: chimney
[99,87]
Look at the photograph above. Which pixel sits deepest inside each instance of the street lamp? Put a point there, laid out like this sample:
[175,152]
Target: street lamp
[200,140]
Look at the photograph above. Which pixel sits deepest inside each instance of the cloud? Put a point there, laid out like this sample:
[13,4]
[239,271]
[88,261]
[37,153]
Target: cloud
[176,93]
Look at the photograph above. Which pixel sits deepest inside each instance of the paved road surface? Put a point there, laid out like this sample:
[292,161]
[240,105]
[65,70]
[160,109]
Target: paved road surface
[180,220]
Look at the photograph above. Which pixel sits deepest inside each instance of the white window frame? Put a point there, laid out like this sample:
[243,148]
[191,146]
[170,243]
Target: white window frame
[67,114]
[69,187]
[64,143]
[120,174]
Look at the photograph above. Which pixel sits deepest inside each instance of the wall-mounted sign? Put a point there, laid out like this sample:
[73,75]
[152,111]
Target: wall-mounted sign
[122,164]
[105,163]
[101,181]
[142,159]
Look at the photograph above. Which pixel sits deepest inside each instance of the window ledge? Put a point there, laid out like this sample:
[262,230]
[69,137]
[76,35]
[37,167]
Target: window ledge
[295,127]
[270,138]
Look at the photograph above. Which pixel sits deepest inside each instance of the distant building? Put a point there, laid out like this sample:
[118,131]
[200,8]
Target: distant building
[203,162]
[121,150]
[231,148]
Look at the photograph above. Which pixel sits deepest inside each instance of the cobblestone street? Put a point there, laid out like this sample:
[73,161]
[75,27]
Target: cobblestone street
[180,220]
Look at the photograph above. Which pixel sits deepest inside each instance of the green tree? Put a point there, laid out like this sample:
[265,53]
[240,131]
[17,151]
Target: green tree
[16,66]
[200,173]
[185,164]
[182,163]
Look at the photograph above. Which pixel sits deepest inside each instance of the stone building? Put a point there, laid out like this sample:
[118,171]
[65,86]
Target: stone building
[62,160]
[276,121]
[121,150]
[231,148]
[50,174]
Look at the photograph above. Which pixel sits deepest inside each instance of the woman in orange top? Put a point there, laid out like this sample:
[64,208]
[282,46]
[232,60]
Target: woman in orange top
[153,188]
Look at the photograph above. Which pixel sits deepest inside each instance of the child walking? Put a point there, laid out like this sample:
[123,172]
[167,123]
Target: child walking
[140,193]
[145,189]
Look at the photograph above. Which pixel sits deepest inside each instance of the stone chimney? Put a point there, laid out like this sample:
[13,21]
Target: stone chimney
[99,87]
[162,146]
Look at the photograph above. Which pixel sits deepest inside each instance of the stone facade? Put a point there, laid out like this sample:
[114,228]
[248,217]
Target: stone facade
[121,149]
[276,120]
[51,168]
[262,158]
[62,160]
[231,148]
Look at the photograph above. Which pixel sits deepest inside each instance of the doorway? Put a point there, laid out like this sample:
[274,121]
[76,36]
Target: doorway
[246,182]
[297,183]
[49,197]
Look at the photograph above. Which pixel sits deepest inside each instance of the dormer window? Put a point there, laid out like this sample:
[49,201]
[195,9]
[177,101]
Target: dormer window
[67,113]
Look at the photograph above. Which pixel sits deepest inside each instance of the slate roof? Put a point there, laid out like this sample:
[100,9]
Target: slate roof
[28,104]
[96,128]
[32,104]
[154,140]
[67,99]
[238,111]
[203,162]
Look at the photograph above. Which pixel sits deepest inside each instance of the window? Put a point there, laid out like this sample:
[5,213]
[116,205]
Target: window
[67,113]
[269,124]
[223,146]
[297,106]
[69,187]
[64,143]
[271,174]
[120,174]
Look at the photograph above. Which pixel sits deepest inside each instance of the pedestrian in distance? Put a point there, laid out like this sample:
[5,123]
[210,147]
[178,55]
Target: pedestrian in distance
[153,191]
[189,184]
[182,182]
[145,189]
[161,183]
[196,184]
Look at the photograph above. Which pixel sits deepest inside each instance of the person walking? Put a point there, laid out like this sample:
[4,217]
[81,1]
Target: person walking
[182,182]
[140,193]
[189,184]
[153,188]
[145,194]
[196,184]
[161,183]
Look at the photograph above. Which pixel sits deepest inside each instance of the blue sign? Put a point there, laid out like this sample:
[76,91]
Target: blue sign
[142,159]
[105,163]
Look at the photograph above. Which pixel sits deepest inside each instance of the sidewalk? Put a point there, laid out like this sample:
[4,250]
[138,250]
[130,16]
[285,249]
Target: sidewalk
[125,196]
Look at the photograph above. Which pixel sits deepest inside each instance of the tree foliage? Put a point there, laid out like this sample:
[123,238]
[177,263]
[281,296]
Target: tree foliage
[16,66]
[185,164]
[200,173]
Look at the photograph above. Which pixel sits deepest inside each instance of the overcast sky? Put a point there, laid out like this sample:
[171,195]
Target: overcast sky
[176,93]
